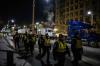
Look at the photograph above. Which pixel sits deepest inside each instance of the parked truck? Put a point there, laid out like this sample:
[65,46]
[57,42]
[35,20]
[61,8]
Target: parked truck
[48,31]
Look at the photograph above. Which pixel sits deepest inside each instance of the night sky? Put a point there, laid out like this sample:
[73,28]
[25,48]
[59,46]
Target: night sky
[21,10]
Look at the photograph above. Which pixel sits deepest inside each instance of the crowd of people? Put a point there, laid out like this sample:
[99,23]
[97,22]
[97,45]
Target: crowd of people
[59,51]
[28,40]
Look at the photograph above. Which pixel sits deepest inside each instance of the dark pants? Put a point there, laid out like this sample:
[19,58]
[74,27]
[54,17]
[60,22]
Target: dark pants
[17,44]
[40,49]
[60,57]
[31,48]
[26,47]
[77,54]
[46,49]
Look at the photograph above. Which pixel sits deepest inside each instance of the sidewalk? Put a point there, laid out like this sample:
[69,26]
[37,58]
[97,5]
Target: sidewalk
[4,45]
[3,54]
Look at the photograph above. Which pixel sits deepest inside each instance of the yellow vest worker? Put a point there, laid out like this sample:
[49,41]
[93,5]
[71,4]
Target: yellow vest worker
[47,42]
[61,46]
[33,39]
[78,43]
[60,50]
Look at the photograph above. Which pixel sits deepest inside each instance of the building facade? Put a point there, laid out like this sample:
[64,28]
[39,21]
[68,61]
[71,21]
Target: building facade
[66,10]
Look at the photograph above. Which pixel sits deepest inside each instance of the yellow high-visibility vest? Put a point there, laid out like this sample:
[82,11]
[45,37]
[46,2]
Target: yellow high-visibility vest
[61,46]
[33,39]
[47,42]
[78,43]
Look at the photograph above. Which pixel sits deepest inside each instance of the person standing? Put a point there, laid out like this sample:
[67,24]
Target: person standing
[77,50]
[60,49]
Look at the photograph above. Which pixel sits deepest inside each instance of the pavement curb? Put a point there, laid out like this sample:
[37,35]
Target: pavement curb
[90,61]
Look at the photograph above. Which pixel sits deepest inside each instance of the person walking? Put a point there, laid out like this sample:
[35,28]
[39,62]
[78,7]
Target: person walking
[16,41]
[25,40]
[60,49]
[46,48]
[40,44]
[31,42]
[77,50]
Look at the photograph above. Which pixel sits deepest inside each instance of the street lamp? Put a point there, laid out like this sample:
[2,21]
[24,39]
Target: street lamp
[90,13]
[47,1]
[55,29]
[37,27]
[24,26]
[13,28]
[37,23]
[12,21]
[33,16]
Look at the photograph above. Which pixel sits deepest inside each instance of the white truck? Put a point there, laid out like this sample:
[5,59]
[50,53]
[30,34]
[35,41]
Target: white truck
[48,31]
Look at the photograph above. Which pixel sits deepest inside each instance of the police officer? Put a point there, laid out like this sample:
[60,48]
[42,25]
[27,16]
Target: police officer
[76,47]
[26,43]
[46,48]
[60,50]
[31,43]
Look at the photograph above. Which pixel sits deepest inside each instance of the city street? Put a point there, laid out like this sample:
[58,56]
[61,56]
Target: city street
[50,33]
[88,58]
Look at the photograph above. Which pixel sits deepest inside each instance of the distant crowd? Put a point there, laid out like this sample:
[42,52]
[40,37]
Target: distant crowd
[59,49]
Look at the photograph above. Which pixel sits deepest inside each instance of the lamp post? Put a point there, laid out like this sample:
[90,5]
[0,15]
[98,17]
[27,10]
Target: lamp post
[37,27]
[90,13]
[33,16]
[12,21]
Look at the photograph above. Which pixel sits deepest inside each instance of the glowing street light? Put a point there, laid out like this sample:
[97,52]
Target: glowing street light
[13,28]
[37,23]
[47,1]
[12,21]
[33,15]
[90,13]
[24,26]
[55,29]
